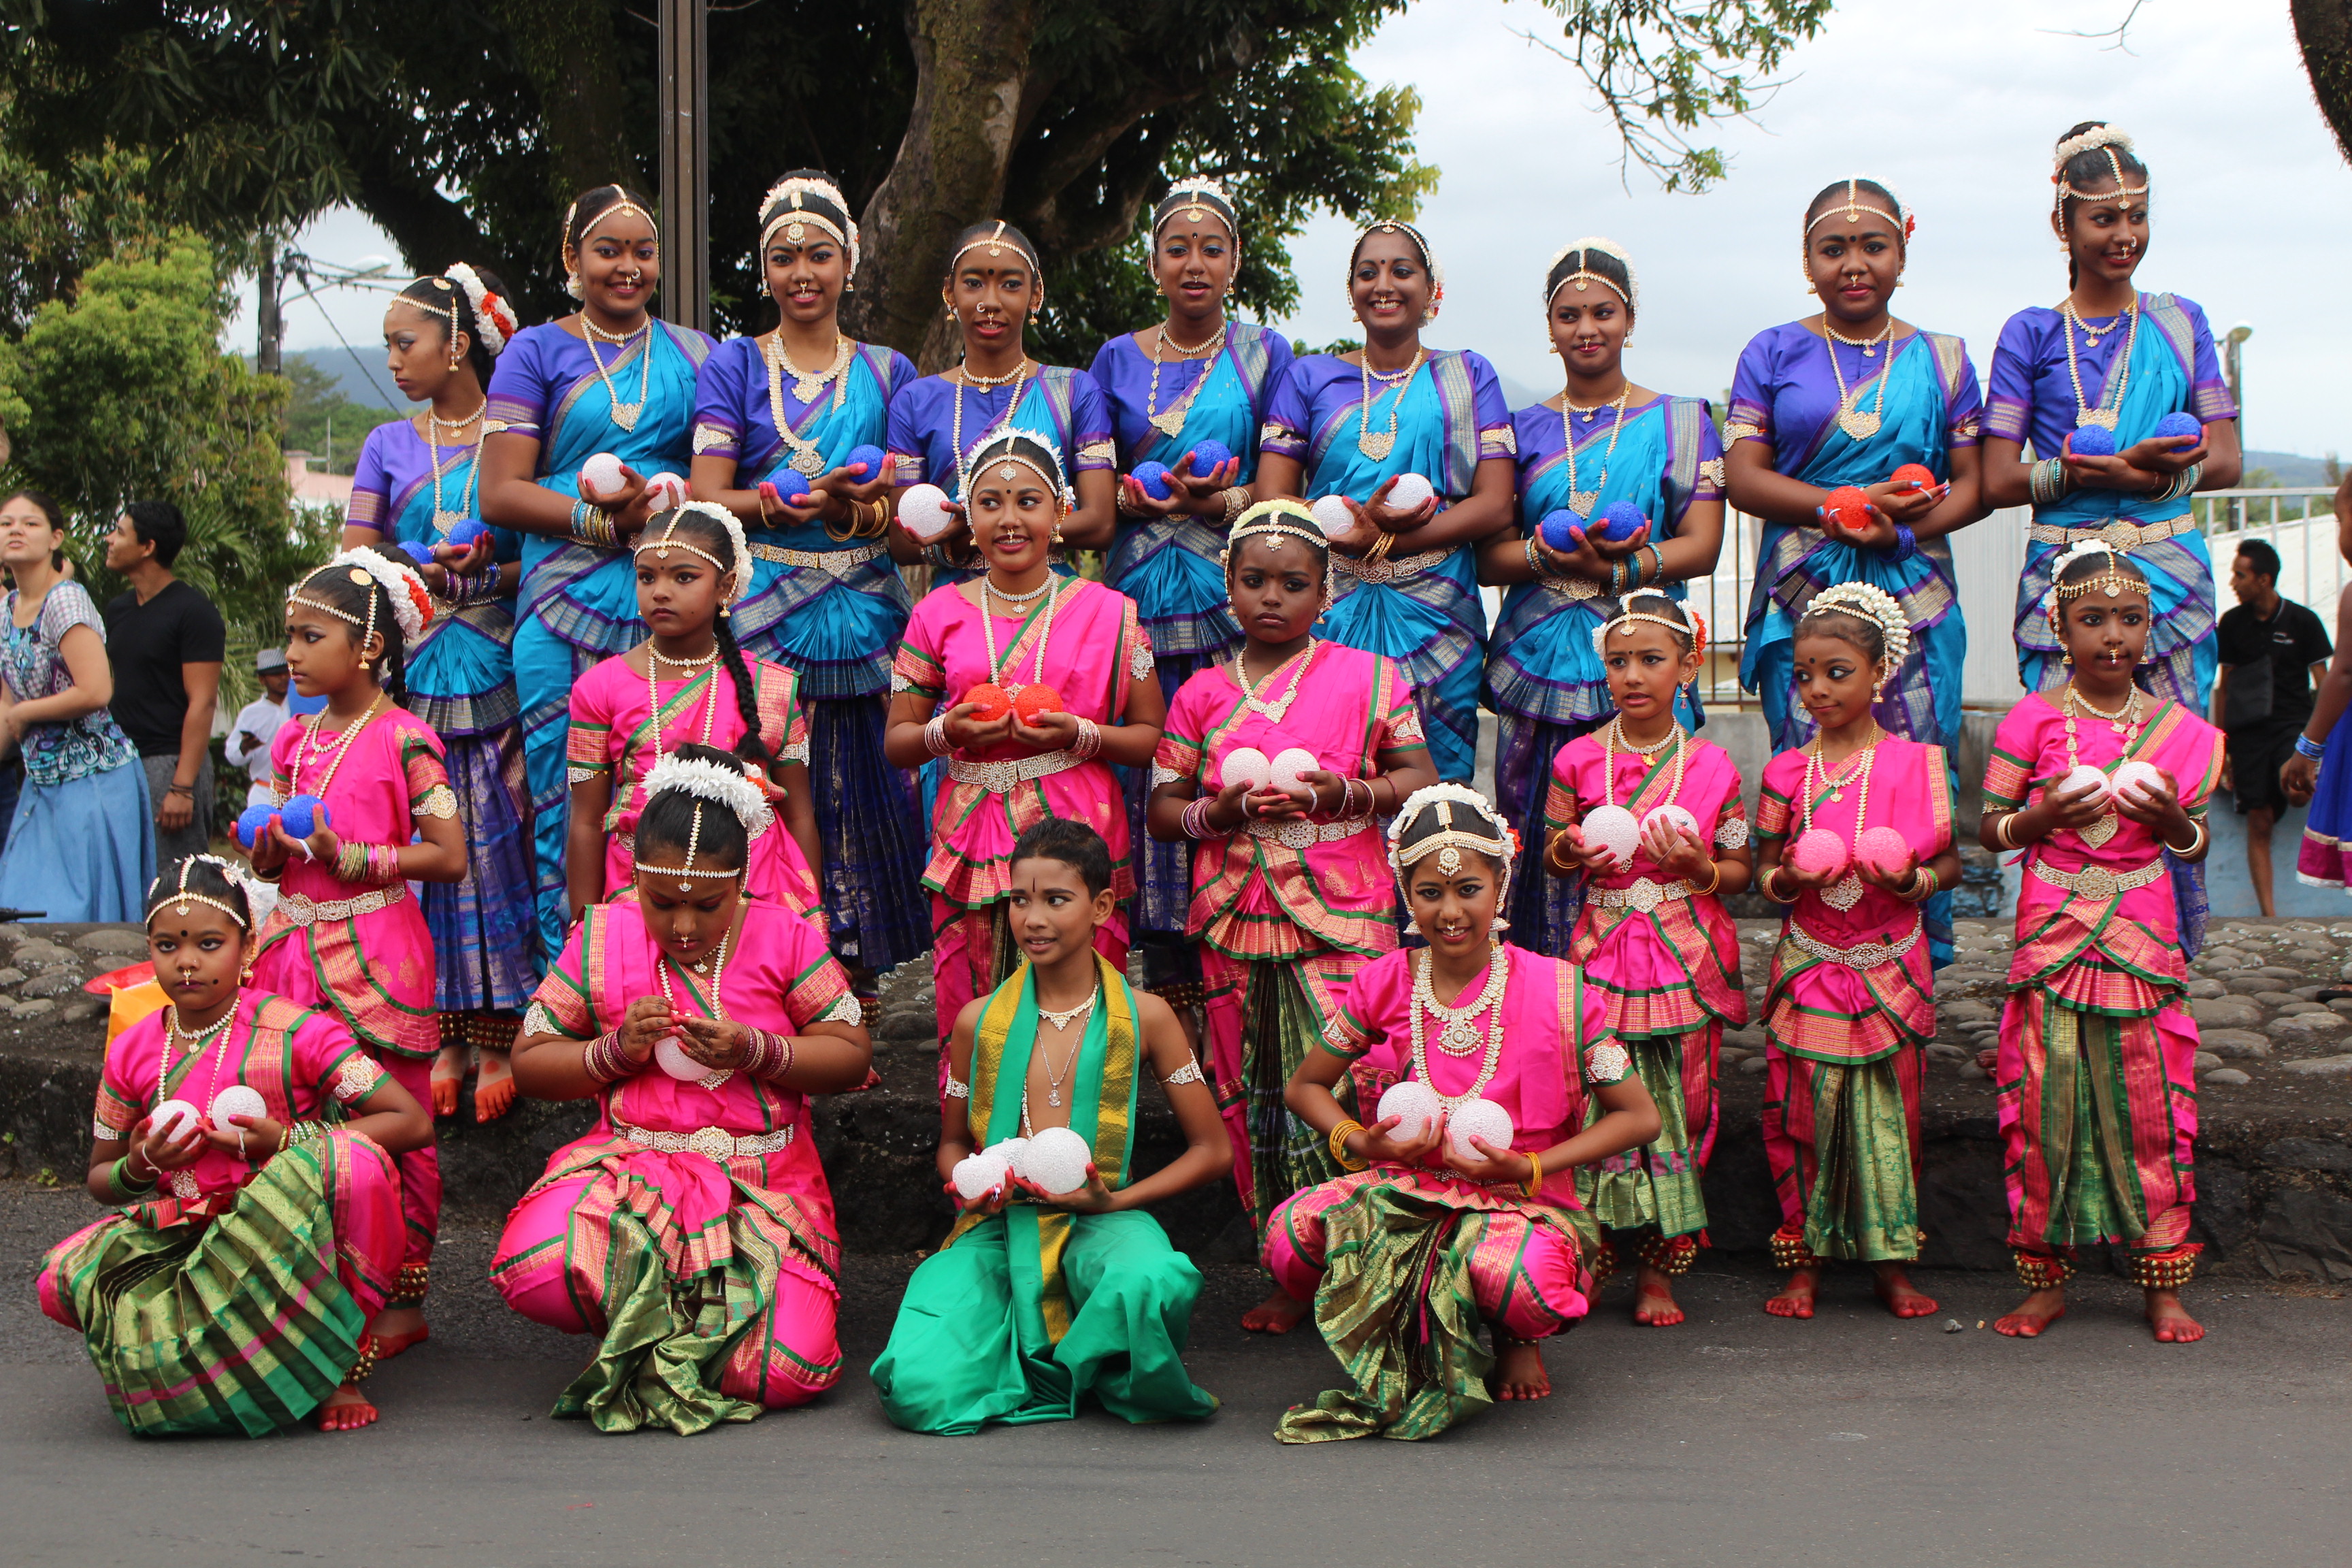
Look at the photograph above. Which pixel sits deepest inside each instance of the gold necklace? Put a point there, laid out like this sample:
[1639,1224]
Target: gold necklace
[1846,891]
[2111,396]
[2124,721]
[1378,447]
[1581,502]
[1172,422]
[806,459]
[955,432]
[1852,420]
[625,415]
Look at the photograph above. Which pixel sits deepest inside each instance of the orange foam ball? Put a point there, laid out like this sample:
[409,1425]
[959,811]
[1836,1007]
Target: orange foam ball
[1919,476]
[1035,701]
[990,700]
[1847,505]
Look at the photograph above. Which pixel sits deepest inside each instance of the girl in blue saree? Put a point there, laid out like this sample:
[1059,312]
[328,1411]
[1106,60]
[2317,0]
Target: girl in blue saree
[2113,357]
[1845,397]
[774,415]
[416,479]
[1195,378]
[1350,426]
[608,378]
[993,288]
[1544,679]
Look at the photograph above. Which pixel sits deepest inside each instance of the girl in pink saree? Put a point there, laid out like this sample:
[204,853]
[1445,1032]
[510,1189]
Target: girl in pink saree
[344,933]
[1291,893]
[692,1229]
[692,563]
[1029,685]
[1850,1004]
[2097,1056]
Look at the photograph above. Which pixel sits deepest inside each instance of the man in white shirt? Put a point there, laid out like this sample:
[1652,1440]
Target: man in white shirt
[258,723]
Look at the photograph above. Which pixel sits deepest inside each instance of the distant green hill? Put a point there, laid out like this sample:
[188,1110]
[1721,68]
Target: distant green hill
[2287,469]
[363,382]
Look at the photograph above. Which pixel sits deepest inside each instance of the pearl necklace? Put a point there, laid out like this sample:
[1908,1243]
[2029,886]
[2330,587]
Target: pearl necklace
[1275,709]
[655,659]
[1847,890]
[1616,732]
[193,1042]
[1579,502]
[986,384]
[1852,420]
[434,424]
[2125,722]
[1378,447]
[662,963]
[1172,422]
[2111,396]
[1458,1037]
[807,387]
[988,631]
[625,415]
[339,746]
[1028,597]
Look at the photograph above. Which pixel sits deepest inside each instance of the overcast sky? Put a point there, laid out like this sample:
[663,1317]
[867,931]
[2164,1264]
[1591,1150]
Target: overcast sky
[1956,106]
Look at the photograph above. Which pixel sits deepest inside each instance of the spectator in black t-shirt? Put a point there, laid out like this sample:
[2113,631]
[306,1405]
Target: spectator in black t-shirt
[166,641]
[2272,651]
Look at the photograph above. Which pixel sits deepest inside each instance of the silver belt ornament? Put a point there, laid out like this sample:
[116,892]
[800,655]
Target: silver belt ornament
[714,1143]
[1861,954]
[1643,896]
[2099,883]
[2120,534]
[1298,833]
[1003,777]
[305,911]
[833,562]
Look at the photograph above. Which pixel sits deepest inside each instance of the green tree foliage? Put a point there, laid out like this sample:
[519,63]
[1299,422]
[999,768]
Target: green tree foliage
[122,395]
[322,421]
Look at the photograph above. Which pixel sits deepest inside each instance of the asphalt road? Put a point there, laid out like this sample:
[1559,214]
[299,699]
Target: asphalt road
[1736,1439]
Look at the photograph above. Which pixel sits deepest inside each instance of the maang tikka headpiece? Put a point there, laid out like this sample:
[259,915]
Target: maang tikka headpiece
[1455,803]
[179,904]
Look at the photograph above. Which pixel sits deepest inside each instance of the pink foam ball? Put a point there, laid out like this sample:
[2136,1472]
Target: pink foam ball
[2084,773]
[923,513]
[599,477]
[173,1117]
[1247,764]
[1478,1118]
[1883,850]
[1678,815]
[1613,827]
[1416,1103]
[669,1055]
[1291,767]
[2137,777]
[1408,491]
[1818,852]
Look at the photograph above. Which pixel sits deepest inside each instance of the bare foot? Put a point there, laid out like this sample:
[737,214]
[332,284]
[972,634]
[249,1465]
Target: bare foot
[1796,1298]
[448,1076]
[1989,1058]
[347,1410]
[2171,1320]
[395,1328]
[1653,1298]
[2036,1312]
[1519,1370]
[1277,1314]
[493,1087]
[1902,1299]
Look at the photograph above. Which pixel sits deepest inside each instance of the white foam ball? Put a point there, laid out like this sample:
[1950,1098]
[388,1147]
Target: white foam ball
[976,1175]
[1408,491]
[175,1116]
[1481,1117]
[667,490]
[1009,1151]
[2084,773]
[1679,815]
[1613,827]
[1247,764]
[669,1055]
[923,513]
[1055,1161]
[1416,1103]
[2137,777]
[1332,516]
[599,477]
[236,1099]
[1292,765]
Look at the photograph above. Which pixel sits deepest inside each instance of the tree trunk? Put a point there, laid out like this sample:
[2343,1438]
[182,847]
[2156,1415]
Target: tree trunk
[570,53]
[2324,28]
[971,62]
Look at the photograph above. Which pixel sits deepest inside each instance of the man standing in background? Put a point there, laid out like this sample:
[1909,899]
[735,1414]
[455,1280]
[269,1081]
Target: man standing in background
[258,723]
[167,642]
[2272,651]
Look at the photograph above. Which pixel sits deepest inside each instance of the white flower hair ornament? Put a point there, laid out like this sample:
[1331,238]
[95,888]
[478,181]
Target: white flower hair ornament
[787,206]
[716,783]
[1007,448]
[1583,277]
[1868,602]
[2120,576]
[1628,616]
[412,602]
[738,547]
[1469,821]
[494,319]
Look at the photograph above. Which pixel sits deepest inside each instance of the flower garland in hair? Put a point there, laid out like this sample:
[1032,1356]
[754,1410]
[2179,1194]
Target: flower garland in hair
[412,602]
[494,321]
[739,549]
[1695,627]
[1609,247]
[1502,843]
[1873,603]
[796,189]
[1010,455]
[720,786]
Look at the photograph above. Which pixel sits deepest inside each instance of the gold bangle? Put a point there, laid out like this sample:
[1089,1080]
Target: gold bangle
[1709,891]
[1534,1187]
[2195,844]
[1919,895]
[2002,828]
[1764,883]
[1338,1145]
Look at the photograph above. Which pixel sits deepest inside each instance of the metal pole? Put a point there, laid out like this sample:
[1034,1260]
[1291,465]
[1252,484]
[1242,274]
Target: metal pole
[685,163]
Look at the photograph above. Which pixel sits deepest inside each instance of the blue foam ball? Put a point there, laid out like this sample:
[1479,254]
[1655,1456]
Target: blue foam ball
[2179,423]
[251,823]
[872,456]
[1207,455]
[2093,441]
[416,549]
[792,487]
[1619,519]
[1561,529]
[1153,477]
[303,815]
[463,534]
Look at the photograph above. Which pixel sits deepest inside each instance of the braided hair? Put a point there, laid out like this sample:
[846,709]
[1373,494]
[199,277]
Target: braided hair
[438,297]
[337,588]
[710,534]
